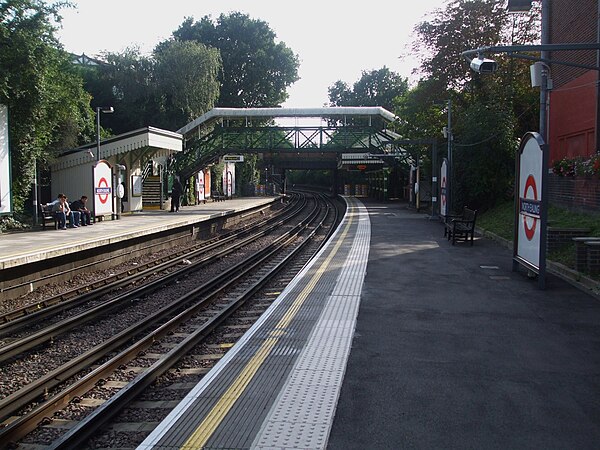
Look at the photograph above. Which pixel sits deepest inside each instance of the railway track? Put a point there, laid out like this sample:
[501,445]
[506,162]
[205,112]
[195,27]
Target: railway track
[185,322]
[24,316]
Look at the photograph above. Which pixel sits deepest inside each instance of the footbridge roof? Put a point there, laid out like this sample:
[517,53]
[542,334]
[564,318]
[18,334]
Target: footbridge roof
[217,114]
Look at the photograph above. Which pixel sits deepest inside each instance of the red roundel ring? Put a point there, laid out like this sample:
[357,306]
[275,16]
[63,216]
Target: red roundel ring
[103,197]
[530,183]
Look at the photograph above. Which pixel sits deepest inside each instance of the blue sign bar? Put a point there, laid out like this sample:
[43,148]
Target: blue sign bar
[530,207]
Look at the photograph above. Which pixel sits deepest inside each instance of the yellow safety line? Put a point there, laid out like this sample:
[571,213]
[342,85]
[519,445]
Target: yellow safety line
[214,418]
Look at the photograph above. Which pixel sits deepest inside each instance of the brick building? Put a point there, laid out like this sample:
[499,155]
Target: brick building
[573,101]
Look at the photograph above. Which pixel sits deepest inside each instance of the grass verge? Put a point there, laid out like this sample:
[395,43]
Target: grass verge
[500,220]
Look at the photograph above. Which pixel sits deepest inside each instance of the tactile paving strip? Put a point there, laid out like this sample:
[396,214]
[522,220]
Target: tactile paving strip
[302,416]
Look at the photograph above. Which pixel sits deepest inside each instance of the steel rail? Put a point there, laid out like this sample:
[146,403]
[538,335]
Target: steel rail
[21,317]
[18,399]
[27,423]
[85,429]
[34,306]
[50,332]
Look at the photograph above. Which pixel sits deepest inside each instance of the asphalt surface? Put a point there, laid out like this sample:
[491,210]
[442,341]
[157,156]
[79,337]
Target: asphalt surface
[450,352]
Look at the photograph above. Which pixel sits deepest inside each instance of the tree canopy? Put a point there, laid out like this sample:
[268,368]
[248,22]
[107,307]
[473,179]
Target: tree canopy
[374,88]
[168,89]
[257,70]
[48,106]
[490,111]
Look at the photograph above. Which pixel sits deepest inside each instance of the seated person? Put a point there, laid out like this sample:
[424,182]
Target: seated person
[80,206]
[60,208]
[74,216]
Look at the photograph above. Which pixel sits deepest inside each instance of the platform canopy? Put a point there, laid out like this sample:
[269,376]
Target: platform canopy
[142,143]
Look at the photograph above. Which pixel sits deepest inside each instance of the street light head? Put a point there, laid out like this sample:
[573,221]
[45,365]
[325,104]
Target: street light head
[106,109]
[483,65]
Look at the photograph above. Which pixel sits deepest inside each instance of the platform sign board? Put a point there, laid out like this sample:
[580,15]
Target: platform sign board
[233,158]
[530,204]
[5,192]
[103,203]
[444,188]
[200,187]
[229,179]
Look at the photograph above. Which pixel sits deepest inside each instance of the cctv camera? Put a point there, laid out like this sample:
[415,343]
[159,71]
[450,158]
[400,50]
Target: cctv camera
[484,65]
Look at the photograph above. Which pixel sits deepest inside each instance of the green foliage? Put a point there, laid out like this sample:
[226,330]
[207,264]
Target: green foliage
[48,107]
[460,26]
[375,88]
[484,164]
[499,219]
[167,90]
[11,224]
[489,112]
[564,218]
[216,176]
[256,69]
[186,77]
[190,192]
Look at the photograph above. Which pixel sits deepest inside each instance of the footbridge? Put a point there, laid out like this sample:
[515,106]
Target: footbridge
[292,138]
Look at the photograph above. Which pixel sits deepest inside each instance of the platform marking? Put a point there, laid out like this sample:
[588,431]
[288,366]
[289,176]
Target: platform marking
[205,430]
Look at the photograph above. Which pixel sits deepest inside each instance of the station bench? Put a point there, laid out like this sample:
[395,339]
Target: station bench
[47,216]
[461,227]
[216,197]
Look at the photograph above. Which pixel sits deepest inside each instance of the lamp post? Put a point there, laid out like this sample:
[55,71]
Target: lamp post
[100,109]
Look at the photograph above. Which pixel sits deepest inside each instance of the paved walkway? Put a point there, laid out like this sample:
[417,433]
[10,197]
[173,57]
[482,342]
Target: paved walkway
[22,248]
[453,350]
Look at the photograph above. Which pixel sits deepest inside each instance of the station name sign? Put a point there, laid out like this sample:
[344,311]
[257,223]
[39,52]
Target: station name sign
[529,207]
[233,158]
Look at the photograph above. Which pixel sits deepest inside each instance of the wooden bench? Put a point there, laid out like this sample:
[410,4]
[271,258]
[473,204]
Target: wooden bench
[47,216]
[217,197]
[461,227]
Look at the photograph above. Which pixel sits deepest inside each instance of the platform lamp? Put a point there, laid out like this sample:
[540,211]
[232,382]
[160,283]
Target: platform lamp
[100,109]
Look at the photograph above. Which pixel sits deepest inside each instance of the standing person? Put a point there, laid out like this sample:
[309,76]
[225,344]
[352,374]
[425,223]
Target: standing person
[176,194]
[86,214]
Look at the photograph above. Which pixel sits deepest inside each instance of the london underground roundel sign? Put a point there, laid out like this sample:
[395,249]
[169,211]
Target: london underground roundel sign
[103,203]
[529,202]
[444,188]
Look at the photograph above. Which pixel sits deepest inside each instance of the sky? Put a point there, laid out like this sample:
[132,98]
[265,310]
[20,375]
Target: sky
[334,39]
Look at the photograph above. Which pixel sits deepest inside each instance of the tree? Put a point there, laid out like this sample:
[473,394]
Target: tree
[126,82]
[490,111]
[256,69]
[48,107]
[168,89]
[375,88]
[186,78]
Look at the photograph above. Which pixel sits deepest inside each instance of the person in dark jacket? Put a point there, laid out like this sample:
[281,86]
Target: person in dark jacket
[86,214]
[176,194]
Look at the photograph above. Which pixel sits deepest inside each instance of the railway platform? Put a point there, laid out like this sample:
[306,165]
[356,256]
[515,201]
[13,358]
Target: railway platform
[393,338]
[26,247]
[45,251]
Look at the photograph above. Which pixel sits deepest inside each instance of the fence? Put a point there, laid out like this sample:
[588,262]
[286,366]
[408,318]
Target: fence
[575,193]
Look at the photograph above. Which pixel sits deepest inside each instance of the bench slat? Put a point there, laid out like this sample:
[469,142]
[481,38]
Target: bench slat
[461,226]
